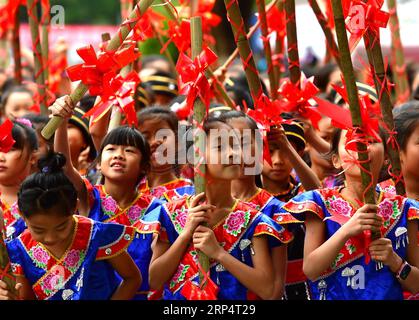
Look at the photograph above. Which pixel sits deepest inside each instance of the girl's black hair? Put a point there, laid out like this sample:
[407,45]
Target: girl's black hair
[406,119]
[9,91]
[47,189]
[25,137]
[160,113]
[235,114]
[128,136]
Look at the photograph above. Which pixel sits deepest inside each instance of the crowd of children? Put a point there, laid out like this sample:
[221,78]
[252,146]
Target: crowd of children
[95,214]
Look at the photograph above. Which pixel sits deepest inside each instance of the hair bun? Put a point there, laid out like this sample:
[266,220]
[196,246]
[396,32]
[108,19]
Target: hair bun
[52,162]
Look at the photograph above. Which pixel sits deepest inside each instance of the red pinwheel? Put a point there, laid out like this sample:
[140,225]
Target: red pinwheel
[361,17]
[6,138]
[123,90]
[192,80]
[180,35]
[297,100]
[96,70]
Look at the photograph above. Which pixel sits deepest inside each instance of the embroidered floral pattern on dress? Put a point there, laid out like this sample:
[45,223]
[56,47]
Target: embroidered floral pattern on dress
[39,256]
[339,205]
[109,205]
[338,258]
[135,213]
[74,259]
[52,282]
[179,218]
[179,275]
[388,209]
[158,192]
[236,221]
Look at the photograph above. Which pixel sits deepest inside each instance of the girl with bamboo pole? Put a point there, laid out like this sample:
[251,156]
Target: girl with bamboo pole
[236,240]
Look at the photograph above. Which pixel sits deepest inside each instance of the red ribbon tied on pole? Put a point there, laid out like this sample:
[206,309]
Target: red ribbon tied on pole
[120,94]
[192,80]
[296,99]
[179,34]
[361,17]
[96,70]
[267,113]
[6,137]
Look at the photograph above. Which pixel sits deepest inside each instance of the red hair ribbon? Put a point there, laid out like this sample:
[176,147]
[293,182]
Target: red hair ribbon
[192,80]
[120,94]
[97,70]
[296,99]
[6,138]
[361,17]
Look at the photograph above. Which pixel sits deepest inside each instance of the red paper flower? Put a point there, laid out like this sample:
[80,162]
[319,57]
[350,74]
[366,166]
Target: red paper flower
[6,138]
[96,71]
[123,91]
[8,15]
[192,80]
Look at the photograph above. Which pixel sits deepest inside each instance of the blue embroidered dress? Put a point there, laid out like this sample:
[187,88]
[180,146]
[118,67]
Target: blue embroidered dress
[82,273]
[234,233]
[350,277]
[105,209]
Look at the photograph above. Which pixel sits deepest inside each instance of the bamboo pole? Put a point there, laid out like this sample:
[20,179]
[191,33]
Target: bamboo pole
[292,43]
[4,52]
[113,45]
[398,59]
[199,135]
[37,53]
[376,60]
[45,22]
[251,32]
[273,82]
[279,48]
[116,114]
[16,49]
[219,88]
[330,39]
[237,25]
[349,76]
[5,264]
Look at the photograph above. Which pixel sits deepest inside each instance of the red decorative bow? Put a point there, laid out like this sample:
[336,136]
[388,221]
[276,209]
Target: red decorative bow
[8,15]
[276,22]
[122,93]
[96,71]
[362,17]
[180,35]
[6,138]
[267,113]
[192,80]
[297,100]
[143,30]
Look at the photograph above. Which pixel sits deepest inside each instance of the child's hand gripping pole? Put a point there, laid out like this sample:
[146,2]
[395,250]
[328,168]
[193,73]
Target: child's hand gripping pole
[116,41]
[349,77]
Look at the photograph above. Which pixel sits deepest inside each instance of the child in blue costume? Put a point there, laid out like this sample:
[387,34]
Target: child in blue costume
[336,250]
[236,241]
[159,126]
[62,256]
[124,159]
[15,166]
